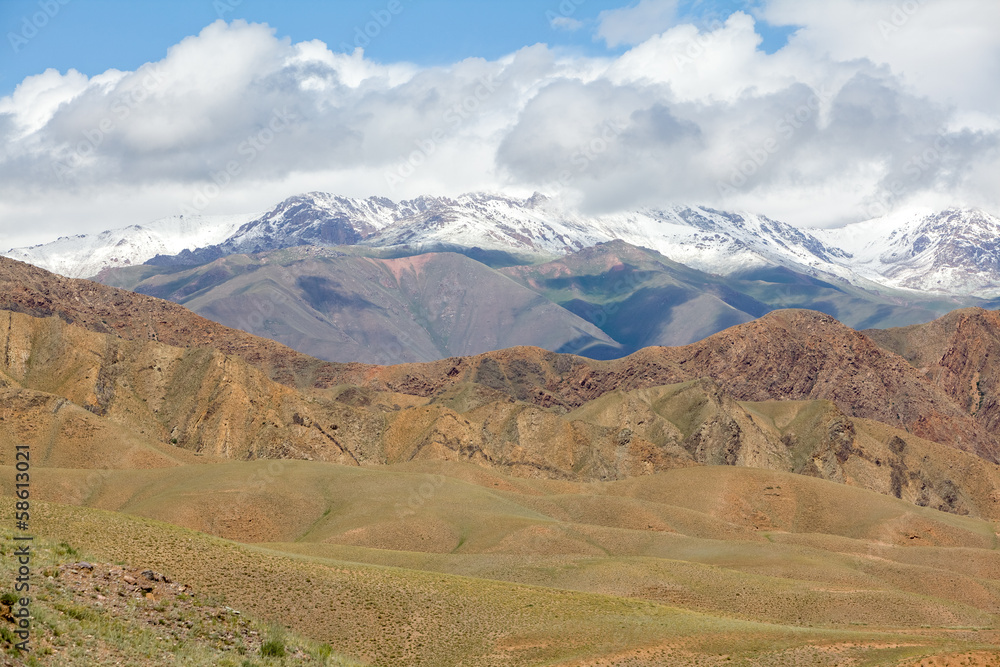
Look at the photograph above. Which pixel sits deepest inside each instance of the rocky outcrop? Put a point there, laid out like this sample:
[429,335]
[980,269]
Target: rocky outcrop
[784,355]
[960,353]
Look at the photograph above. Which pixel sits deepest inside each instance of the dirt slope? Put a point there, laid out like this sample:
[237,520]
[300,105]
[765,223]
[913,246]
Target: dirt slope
[784,355]
[33,291]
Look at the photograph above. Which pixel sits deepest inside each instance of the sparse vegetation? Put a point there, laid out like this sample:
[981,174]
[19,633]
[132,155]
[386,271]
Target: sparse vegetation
[585,532]
[273,648]
[75,625]
[611,586]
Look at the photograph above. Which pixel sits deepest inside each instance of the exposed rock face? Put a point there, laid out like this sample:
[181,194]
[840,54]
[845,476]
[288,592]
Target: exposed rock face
[83,399]
[785,355]
[197,398]
[33,291]
[952,251]
[960,353]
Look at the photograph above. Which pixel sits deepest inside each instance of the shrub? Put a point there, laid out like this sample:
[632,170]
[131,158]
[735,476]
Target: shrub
[273,648]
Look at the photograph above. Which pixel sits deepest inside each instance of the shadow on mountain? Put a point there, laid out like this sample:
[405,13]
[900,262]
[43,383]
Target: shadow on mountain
[782,276]
[495,259]
[326,295]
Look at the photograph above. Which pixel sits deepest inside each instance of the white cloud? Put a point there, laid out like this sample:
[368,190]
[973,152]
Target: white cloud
[38,97]
[949,51]
[823,131]
[566,23]
[636,23]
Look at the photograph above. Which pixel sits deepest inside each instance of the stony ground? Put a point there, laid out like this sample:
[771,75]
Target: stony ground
[91,613]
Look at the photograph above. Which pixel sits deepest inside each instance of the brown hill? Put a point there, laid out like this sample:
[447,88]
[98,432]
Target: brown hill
[89,400]
[27,289]
[693,564]
[58,379]
[784,355]
[960,353]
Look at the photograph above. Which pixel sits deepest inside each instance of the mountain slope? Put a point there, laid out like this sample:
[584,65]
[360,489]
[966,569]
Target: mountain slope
[344,308]
[27,289]
[960,353]
[641,298]
[87,255]
[75,396]
[784,355]
[955,251]
[194,398]
[684,602]
[456,306]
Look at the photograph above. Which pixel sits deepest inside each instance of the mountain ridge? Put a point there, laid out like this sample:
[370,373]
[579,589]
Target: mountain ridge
[929,252]
[603,301]
[784,355]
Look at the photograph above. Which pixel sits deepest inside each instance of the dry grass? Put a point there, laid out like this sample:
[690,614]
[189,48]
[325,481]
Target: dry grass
[94,615]
[487,569]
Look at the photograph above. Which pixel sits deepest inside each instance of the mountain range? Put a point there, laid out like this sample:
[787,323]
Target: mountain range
[789,489]
[85,255]
[604,301]
[133,349]
[951,252]
[376,281]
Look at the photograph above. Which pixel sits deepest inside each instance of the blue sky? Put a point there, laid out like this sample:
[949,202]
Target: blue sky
[92,36]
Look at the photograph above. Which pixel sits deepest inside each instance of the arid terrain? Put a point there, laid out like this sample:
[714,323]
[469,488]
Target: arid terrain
[788,491]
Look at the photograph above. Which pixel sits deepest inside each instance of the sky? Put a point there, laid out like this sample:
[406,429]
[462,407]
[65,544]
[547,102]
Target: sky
[815,112]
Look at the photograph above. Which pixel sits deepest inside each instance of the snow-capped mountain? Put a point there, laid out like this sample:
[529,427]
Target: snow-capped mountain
[717,241]
[951,252]
[313,218]
[319,218]
[704,238]
[488,221]
[956,251]
[86,255]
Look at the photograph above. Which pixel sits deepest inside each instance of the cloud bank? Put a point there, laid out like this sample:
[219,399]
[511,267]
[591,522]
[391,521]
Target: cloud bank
[870,107]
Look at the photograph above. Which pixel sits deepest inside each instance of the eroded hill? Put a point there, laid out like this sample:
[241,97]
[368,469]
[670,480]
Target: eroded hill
[90,400]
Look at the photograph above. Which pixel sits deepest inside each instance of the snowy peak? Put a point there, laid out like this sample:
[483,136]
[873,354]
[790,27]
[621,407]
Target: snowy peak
[86,255]
[488,221]
[315,218]
[956,251]
[716,241]
[710,240]
[319,218]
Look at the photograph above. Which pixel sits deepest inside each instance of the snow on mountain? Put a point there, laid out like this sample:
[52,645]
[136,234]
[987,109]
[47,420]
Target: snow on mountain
[952,252]
[85,255]
[956,251]
[488,221]
[317,218]
[706,239]
[703,238]
[720,242]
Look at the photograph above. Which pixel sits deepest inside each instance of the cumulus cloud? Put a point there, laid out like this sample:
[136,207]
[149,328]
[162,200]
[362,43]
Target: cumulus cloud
[834,127]
[634,24]
[949,51]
